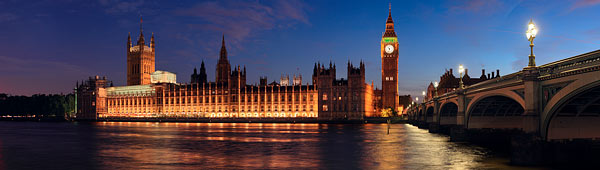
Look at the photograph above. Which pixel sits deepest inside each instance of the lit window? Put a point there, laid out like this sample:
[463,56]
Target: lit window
[324,96]
[325,108]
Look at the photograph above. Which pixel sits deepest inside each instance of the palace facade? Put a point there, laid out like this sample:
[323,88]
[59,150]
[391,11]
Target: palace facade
[156,94]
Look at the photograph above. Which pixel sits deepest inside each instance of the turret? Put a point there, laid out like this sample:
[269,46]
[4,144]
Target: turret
[152,42]
[315,70]
[202,75]
[128,41]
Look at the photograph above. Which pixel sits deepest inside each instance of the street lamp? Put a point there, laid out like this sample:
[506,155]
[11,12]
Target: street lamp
[417,99]
[531,32]
[435,85]
[461,69]
[424,96]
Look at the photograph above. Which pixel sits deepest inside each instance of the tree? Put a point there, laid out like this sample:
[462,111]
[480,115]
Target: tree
[388,112]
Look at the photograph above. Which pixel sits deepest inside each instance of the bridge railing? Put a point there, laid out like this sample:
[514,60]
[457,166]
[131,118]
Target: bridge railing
[547,71]
[577,62]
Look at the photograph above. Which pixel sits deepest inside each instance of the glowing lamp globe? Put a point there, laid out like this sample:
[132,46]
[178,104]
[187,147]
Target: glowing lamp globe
[531,30]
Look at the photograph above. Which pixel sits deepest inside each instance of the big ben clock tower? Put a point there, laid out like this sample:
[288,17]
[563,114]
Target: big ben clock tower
[389,65]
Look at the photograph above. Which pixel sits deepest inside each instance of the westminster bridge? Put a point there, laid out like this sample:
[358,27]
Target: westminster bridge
[558,101]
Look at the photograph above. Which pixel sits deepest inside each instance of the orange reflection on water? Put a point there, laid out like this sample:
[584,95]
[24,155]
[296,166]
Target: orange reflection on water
[193,145]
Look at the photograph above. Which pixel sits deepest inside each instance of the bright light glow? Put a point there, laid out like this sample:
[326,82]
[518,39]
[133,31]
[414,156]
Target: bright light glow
[531,30]
[416,98]
[461,69]
[423,93]
[435,84]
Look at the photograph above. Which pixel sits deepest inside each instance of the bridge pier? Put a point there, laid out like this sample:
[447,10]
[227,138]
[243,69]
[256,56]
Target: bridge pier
[434,127]
[422,124]
[527,149]
[458,133]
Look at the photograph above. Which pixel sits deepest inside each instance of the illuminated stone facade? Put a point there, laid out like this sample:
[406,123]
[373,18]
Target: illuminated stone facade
[327,98]
[389,65]
[210,100]
[350,99]
[140,60]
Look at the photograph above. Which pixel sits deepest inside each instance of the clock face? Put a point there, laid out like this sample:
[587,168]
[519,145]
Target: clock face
[389,49]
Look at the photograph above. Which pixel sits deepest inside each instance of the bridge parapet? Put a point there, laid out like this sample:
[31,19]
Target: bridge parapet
[573,65]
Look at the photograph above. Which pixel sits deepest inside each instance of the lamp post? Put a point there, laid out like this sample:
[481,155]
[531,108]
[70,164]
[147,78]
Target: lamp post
[424,96]
[461,69]
[417,99]
[435,85]
[531,32]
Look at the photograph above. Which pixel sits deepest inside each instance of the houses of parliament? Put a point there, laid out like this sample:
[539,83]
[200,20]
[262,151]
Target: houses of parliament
[152,93]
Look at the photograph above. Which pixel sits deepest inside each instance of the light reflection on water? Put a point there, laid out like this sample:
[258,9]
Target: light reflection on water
[150,145]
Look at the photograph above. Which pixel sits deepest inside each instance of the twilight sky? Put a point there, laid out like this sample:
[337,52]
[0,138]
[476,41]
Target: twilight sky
[46,46]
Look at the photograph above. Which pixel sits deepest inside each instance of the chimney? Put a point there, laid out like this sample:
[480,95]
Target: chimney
[498,72]
[493,75]
[483,72]
[451,73]
[488,75]
[466,72]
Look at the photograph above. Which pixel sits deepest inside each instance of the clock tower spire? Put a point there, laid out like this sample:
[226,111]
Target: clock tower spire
[389,64]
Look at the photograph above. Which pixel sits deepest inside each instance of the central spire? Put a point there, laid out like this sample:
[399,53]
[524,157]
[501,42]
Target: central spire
[141,39]
[389,19]
[223,49]
[389,25]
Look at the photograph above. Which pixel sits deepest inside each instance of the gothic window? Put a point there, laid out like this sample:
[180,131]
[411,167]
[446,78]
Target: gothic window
[324,96]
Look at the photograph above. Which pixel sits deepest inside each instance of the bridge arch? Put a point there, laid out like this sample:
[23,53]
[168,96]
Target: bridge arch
[499,106]
[429,111]
[575,114]
[508,94]
[448,109]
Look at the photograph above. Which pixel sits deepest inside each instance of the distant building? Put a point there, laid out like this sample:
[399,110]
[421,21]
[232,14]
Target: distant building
[163,77]
[91,98]
[403,101]
[448,82]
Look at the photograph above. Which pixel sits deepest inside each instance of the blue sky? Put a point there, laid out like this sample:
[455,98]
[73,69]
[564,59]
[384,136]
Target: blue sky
[47,46]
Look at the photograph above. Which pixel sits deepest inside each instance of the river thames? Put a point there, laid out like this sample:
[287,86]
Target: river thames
[152,145]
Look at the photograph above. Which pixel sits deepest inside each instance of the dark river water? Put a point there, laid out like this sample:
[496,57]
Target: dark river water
[151,145]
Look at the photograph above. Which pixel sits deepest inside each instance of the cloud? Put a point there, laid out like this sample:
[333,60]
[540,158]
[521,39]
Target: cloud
[7,17]
[239,20]
[583,4]
[518,64]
